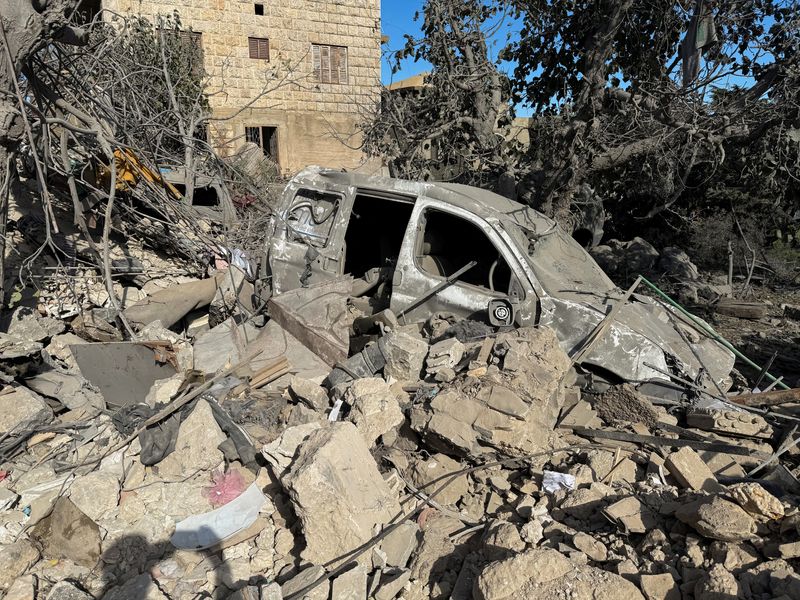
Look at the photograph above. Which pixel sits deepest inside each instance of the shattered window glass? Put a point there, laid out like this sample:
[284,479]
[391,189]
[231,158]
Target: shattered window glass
[311,216]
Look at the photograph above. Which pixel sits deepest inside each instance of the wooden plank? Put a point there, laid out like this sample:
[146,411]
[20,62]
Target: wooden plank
[773,398]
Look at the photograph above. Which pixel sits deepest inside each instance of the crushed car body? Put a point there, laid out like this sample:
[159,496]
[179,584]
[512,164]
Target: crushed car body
[421,248]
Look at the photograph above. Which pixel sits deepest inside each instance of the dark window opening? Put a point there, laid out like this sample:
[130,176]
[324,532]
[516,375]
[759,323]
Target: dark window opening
[449,243]
[258,48]
[259,9]
[203,195]
[375,233]
[266,138]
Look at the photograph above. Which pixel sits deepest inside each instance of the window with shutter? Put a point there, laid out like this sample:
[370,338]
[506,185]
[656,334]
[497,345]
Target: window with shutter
[259,48]
[329,63]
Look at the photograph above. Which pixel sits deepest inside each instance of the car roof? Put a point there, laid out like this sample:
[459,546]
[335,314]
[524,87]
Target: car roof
[483,203]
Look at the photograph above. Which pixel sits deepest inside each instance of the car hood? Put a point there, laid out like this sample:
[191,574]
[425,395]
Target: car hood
[643,333]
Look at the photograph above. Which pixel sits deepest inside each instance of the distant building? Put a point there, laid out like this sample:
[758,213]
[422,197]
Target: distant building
[335,46]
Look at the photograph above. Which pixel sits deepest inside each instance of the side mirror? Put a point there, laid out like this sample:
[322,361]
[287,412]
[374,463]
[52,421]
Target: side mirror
[502,312]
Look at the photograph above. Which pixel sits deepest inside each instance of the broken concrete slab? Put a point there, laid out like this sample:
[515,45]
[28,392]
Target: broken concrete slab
[545,573]
[688,468]
[337,492]
[68,533]
[727,422]
[445,354]
[392,584]
[281,452]
[70,389]
[718,519]
[59,349]
[95,494]
[23,588]
[374,408]
[632,515]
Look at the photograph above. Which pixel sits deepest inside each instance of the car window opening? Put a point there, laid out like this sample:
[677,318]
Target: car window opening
[450,242]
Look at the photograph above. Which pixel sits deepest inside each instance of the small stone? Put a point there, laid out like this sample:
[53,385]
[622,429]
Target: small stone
[532,532]
[305,578]
[392,585]
[660,587]
[350,585]
[634,516]
[444,355]
[23,588]
[271,591]
[590,547]
[688,468]
[400,543]
[163,390]
[64,590]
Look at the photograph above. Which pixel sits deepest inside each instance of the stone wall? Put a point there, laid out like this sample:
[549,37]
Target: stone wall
[315,121]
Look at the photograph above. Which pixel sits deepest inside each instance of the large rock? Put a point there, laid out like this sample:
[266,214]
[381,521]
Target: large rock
[196,444]
[15,559]
[436,469]
[68,533]
[21,408]
[514,410]
[64,590]
[337,492]
[374,408]
[405,356]
[545,574]
[718,519]
[95,494]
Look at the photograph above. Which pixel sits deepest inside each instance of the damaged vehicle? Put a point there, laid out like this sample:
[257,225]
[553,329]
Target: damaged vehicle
[421,248]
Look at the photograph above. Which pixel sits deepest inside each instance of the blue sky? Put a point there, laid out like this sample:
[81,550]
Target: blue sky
[397,20]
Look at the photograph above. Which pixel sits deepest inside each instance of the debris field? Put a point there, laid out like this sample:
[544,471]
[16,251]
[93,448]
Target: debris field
[322,446]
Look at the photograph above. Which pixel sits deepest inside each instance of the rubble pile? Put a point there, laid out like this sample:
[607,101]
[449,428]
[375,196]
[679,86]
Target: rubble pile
[233,462]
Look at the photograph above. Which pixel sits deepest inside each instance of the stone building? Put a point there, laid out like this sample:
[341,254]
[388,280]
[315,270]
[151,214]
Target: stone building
[324,57]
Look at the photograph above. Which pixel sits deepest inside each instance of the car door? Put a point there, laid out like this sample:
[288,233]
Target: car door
[440,240]
[307,244]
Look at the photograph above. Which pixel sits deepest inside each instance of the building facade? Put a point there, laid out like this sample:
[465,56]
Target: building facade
[294,76]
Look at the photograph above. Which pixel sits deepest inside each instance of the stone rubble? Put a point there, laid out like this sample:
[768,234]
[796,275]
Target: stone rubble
[455,471]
